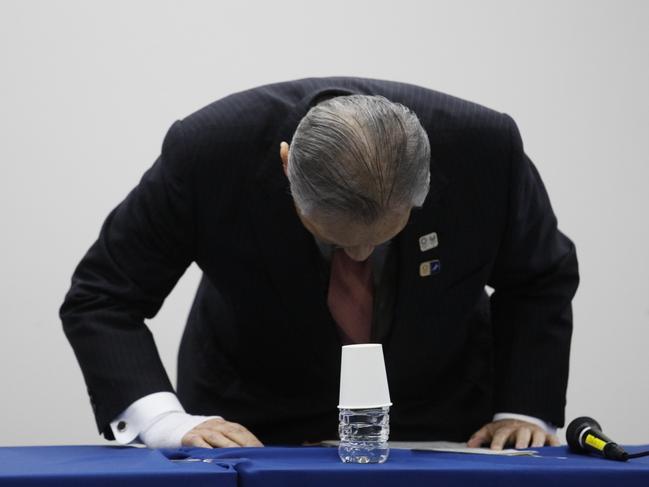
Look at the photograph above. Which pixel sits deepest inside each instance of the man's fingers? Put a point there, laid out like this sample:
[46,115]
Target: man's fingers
[479,437]
[505,431]
[193,439]
[240,435]
[217,432]
[538,439]
[500,438]
[218,439]
[523,436]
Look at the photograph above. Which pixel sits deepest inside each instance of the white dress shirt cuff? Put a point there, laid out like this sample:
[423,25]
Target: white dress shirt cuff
[168,431]
[548,427]
[142,414]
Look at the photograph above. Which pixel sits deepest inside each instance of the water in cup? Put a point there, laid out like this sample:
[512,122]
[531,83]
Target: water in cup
[364,435]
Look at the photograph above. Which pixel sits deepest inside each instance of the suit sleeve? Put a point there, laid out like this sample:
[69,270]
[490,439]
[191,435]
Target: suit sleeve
[535,278]
[144,246]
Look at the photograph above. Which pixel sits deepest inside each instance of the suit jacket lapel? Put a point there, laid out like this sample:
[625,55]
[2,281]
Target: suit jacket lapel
[414,292]
[290,252]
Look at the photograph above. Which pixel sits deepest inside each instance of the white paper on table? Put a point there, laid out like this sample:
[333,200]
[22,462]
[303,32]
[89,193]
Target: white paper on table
[448,447]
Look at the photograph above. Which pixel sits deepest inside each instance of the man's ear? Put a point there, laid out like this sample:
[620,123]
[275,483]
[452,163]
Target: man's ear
[283,154]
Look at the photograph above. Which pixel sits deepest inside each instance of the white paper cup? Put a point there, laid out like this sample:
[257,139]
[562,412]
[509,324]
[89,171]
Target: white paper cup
[363,381]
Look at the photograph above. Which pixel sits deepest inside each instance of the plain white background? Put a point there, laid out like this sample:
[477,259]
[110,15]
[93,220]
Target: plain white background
[88,89]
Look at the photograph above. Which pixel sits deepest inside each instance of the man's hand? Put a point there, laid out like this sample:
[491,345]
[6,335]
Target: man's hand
[503,432]
[219,433]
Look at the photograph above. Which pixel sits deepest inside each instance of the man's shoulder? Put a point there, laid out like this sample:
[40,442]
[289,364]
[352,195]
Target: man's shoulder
[260,107]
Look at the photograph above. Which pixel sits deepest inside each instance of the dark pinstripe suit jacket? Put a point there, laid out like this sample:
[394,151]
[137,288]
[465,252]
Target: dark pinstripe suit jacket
[260,346]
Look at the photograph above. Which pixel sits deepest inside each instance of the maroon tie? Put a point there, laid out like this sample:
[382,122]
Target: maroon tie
[350,297]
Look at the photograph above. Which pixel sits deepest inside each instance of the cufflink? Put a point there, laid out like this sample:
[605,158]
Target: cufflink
[121,426]
[429,268]
[428,241]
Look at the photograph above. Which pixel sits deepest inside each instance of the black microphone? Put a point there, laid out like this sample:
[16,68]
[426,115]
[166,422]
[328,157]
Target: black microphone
[584,435]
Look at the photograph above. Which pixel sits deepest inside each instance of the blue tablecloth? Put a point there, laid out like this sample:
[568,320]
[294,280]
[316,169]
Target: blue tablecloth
[95,466]
[292,467]
[99,466]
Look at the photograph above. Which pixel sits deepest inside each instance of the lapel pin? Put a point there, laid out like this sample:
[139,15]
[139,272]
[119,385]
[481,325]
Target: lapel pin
[429,268]
[429,241]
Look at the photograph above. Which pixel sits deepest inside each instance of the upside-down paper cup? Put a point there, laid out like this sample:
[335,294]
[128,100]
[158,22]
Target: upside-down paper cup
[363,381]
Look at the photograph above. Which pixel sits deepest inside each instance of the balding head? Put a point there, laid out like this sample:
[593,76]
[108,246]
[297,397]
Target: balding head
[358,158]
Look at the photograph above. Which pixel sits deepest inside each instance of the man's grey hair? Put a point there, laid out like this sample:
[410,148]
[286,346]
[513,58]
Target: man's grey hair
[358,157]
